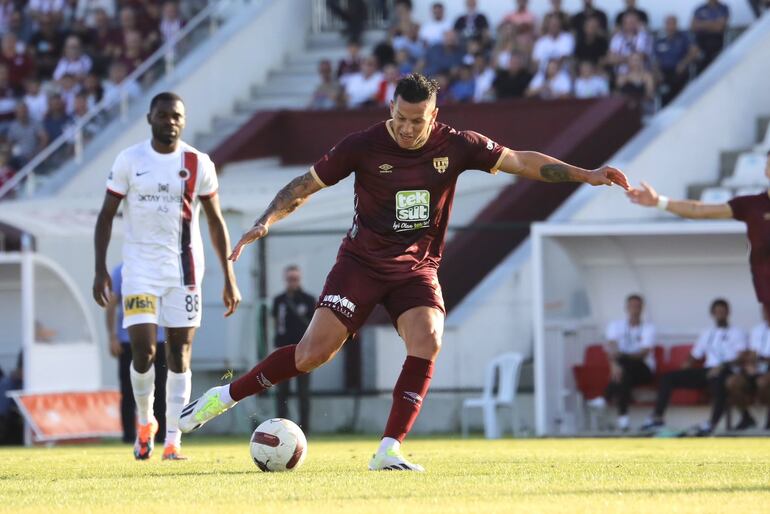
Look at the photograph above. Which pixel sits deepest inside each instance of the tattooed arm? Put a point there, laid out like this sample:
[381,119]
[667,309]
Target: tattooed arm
[538,166]
[293,194]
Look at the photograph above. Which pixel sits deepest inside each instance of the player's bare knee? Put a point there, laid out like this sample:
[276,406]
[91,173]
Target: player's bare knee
[308,356]
[142,357]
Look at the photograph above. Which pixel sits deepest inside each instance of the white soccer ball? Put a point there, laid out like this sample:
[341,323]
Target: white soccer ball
[278,445]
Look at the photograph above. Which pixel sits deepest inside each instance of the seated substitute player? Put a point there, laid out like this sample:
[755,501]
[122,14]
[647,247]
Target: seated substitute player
[629,346]
[720,345]
[405,173]
[164,181]
[754,377]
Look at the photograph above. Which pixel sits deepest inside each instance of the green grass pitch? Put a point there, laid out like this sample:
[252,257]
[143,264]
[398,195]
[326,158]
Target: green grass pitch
[656,476]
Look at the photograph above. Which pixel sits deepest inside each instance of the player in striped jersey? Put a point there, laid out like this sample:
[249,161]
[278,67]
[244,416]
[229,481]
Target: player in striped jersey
[162,183]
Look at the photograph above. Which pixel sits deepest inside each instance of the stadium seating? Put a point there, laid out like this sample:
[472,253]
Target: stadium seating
[749,171]
[764,146]
[592,377]
[504,371]
[677,356]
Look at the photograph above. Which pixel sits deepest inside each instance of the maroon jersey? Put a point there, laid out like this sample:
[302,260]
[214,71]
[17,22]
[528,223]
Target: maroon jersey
[403,198]
[754,210]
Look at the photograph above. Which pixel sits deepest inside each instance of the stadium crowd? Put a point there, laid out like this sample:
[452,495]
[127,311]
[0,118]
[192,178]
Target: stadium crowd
[58,58]
[582,55]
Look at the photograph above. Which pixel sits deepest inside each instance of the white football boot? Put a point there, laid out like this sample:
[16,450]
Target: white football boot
[392,460]
[198,412]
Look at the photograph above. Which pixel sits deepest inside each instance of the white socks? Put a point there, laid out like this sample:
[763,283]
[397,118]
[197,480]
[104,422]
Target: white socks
[143,385]
[224,395]
[387,443]
[178,386]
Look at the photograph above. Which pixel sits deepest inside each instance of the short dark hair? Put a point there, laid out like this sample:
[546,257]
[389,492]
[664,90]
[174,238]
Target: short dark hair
[635,296]
[719,302]
[291,267]
[166,96]
[415,88]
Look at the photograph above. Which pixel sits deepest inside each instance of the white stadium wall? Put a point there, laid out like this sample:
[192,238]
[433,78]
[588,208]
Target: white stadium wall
[495,10]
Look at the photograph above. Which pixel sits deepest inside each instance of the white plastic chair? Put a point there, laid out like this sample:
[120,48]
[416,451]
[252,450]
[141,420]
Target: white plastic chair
[749,171]
[715,195]
[504,370]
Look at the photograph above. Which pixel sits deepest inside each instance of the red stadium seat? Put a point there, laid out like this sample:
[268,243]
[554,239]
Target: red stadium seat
[677,356]
[593,375]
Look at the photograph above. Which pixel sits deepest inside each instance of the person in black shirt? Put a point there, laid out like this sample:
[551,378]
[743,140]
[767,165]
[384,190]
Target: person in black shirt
[631,8]
[292,311]
[591,43]
[577,21]
[512,82]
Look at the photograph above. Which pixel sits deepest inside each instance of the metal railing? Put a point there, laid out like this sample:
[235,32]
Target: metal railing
[71,143]
[323,20]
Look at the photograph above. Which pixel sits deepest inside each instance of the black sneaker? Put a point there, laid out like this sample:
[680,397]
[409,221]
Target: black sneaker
[651,424]
[746,422]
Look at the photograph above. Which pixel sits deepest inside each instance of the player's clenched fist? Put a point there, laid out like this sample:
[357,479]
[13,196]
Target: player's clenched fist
[258,231]
[102,287]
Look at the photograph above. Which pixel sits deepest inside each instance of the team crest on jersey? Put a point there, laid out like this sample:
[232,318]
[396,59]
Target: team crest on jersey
[184,173]
[139,304]
[386,168]
[441,163]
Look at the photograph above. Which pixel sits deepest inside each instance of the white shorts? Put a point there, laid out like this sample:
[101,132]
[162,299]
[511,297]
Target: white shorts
[178,306]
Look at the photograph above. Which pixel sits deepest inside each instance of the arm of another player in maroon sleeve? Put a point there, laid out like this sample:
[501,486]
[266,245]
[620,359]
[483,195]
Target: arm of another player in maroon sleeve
[538,166]
[646,196]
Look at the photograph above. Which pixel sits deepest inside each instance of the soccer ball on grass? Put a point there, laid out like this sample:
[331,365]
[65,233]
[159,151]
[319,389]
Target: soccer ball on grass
[278,445]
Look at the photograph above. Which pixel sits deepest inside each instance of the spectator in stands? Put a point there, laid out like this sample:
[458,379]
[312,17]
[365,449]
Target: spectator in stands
[92,86]
[555,44]
[6,173]
[114,84]
[753,378]
[513,81]
[522,19]
[674,52]
[20,66]
[590,83]
[483,76]
[351,63]
[171,22]
[328,93]
[709,23]
[591,43]
[720,346]
[558,12]
[56,119]
[404,62]
[353,15]
[403,22]
[472,23]
[36,99]
[133,54]
[105,43]
[25,136]
[54,8]
[68,89]
[410,42]
[148,37]
[553,82]
[432,31]
[79,112]
[361,88]
[445,57]
[390,77]
[6,9]
[46,44]
[630,345]
[637,83]
[19,26]
[631,8]
[87,10]
[74,62]
[631,39]
[7,99]
[462,89]
[578,21]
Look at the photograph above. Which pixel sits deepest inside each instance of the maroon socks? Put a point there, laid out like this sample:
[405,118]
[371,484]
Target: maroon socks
[277,367]
[411,387]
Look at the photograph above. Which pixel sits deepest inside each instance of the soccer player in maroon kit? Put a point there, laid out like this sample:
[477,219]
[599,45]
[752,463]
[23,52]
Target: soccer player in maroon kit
[405,170]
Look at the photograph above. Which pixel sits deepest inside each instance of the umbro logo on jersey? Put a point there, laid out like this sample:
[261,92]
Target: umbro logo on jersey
[412,397]
[140,173]
[386,168]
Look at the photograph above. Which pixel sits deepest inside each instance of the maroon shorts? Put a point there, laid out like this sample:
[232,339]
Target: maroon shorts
[351,292]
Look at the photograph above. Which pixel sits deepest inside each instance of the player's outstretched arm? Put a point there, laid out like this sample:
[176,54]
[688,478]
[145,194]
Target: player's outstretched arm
[538,166]
[102,233]
[293,194]
[648,197]
[220,238]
